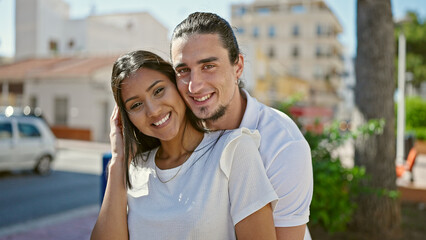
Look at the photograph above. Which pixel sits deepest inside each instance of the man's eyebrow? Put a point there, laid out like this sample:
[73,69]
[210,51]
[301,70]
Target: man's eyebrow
[180,65]
[205,60]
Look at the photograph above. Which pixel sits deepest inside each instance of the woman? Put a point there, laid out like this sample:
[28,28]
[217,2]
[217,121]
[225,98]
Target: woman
[178,182]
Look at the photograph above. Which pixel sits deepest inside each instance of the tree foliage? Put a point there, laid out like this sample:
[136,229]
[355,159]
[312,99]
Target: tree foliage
[414,29]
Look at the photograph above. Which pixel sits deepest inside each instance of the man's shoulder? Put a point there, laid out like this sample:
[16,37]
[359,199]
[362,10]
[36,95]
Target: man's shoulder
[275,120]
[270,122]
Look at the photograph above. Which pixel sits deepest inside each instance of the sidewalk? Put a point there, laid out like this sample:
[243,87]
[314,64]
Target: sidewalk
[72,225]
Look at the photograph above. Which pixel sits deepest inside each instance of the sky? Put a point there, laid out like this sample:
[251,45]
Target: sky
[171,12]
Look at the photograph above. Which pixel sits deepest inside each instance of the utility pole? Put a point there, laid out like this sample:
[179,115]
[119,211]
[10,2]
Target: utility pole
[401,101]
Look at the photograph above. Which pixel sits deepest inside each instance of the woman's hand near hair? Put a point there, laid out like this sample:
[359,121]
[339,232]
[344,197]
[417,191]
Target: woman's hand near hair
[259,225]
[112,219]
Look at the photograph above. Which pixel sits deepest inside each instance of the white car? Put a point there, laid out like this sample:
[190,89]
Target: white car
[26,141]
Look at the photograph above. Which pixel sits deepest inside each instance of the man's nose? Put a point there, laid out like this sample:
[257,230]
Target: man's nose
[196,82]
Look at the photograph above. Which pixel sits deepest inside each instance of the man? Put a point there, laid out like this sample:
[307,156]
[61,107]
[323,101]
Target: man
[208,63]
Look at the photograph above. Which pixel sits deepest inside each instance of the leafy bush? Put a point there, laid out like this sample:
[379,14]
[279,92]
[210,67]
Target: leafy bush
[415,112]
[334,185]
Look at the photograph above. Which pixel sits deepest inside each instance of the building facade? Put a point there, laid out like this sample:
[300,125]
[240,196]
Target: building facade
[73,93]
[63,65]
[44,29]
[299,36]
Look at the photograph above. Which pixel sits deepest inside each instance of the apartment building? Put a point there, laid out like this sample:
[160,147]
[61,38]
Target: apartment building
[300,38]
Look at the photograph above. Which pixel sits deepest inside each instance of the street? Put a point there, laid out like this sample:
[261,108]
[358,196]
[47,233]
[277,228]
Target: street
[74,183]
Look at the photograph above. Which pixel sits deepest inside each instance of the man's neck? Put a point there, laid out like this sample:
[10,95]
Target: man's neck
[233,116]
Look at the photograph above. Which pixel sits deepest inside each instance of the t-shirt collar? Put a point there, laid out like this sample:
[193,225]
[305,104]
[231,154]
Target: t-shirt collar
[251,115]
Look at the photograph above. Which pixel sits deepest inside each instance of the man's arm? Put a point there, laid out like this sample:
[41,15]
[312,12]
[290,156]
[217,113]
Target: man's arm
[259,225]
[291,176]
[297,232]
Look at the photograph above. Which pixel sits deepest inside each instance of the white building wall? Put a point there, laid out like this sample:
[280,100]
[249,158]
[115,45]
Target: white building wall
[122,33]
[40,21]
[75,31]
[37,23]
[25,26]
[52,16]
[89,103]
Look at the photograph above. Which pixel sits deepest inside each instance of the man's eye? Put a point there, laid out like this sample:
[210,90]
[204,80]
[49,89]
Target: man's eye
[182,70]
[158,91]
[208,66]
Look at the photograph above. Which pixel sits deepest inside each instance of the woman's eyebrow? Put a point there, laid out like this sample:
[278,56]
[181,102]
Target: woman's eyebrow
[149,88]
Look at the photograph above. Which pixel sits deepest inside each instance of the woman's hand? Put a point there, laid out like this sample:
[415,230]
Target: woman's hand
[116,136]
[112,219]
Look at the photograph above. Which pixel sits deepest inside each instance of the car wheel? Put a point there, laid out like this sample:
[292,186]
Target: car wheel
[43,165]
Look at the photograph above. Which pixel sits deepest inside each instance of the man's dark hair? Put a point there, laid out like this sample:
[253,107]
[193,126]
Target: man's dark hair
[209,23]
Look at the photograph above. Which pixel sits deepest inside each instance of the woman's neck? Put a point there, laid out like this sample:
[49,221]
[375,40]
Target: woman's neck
[175,152]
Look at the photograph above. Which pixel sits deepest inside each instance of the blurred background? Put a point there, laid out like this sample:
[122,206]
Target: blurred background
[56,56]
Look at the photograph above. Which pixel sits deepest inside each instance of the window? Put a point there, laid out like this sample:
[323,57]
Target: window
[318,52]
[71,44]
[298,9]
[28,130]
[240,11]
[53,46]
[318,72]
[255,32]
[271,31]
[5,131]
[295,70]
[271,52]
[61,111]
[296,30]
[129,26]
[240,30]
[295,51]
[263,11]
[33,102]
[320,30]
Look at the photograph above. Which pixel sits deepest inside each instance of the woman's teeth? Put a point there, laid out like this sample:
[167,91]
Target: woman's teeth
[162,120]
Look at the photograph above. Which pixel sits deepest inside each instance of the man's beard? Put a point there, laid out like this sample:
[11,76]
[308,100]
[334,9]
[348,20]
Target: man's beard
[218,114]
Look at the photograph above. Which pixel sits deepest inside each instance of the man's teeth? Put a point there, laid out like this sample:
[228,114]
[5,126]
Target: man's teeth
[162,120]
[203,98]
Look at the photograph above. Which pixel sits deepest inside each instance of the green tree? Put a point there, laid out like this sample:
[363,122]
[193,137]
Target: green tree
[377,214]
[414,29]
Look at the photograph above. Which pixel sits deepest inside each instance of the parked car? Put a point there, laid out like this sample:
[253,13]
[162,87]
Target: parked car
[26,141]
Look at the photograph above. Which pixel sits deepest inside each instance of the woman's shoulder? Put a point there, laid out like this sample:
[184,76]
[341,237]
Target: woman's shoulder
[243,134]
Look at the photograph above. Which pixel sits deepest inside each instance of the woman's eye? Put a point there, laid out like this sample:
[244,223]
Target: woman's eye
[158,91]
[136,106]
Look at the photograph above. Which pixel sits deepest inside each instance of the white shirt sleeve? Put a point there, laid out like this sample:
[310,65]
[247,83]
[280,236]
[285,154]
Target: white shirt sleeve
[249,186]
[291,175]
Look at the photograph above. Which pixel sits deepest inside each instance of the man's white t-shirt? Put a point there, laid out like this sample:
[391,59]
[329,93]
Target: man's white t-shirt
[221,183]
[287,160]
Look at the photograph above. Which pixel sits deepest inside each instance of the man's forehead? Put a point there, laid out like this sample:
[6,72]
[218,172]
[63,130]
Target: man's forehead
[196,49]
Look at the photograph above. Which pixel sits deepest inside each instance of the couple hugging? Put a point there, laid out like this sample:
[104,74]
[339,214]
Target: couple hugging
[194,156]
